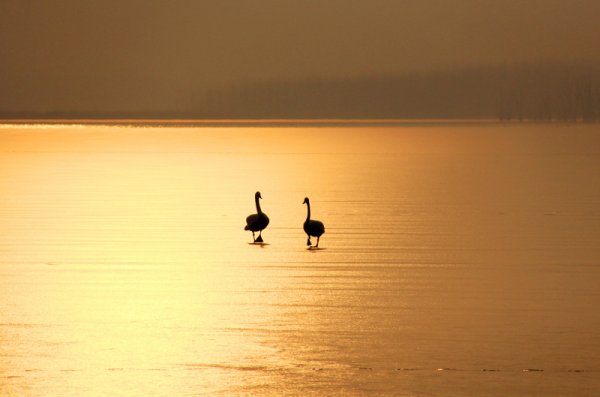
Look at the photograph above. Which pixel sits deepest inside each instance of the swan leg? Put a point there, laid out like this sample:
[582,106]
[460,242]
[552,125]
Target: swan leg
[259,239]
[308,241]
[317,246]
[253,238]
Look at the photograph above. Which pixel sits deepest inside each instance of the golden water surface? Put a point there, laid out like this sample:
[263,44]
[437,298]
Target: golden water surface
[457,260]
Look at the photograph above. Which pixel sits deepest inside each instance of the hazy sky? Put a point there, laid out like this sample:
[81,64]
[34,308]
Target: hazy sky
[129,54]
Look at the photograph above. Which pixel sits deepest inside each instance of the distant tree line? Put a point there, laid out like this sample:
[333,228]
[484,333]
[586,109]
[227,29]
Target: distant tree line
[561,91]
[541,91]
[550,91]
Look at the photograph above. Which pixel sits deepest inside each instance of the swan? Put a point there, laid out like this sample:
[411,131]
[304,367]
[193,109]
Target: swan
[257,222]
[312,227]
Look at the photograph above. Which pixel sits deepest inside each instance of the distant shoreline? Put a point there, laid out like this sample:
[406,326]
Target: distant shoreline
[274,122]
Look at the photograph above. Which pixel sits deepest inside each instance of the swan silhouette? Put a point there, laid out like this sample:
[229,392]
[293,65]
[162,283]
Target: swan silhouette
[312,227]
[257,222]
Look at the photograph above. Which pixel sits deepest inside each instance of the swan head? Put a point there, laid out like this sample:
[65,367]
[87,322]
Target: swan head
[305,200]
[257,195]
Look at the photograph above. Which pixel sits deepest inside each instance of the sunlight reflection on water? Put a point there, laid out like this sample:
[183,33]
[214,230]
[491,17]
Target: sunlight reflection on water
[124,267]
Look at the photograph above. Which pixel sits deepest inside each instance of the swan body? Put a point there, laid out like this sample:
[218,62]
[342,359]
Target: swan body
[312,227]
[257,222]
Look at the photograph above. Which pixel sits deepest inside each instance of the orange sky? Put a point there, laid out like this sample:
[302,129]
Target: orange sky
[143,54]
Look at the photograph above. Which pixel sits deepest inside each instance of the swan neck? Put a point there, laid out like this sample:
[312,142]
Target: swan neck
[307,211]
[257,205]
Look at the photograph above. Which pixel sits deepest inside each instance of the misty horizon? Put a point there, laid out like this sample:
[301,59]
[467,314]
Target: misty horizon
[565,91]
[135,57]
